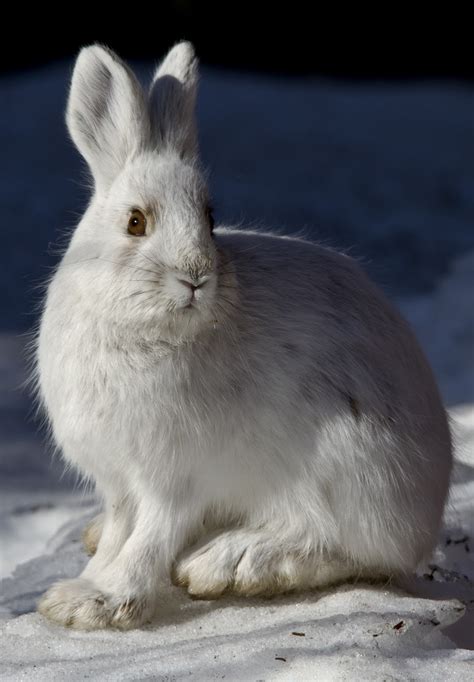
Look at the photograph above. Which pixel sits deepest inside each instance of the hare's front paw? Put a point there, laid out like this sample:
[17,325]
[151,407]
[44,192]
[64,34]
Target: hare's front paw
[81,605]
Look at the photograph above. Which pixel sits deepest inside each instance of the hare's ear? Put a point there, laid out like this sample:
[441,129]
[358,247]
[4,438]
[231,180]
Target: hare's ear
[173,99]
[106,114]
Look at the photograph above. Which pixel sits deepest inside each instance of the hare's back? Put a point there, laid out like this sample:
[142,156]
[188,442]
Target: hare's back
[322,305]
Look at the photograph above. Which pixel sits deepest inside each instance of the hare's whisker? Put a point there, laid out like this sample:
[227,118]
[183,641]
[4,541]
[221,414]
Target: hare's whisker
[154,262]
[136,293]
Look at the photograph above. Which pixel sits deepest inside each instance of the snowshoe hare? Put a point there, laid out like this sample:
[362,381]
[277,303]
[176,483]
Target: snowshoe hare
[255,414]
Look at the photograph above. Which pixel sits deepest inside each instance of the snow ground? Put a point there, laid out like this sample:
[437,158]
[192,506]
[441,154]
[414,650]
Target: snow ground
[410,205]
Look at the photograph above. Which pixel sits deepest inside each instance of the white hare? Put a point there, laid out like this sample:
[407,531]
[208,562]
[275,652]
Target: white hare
[254,413]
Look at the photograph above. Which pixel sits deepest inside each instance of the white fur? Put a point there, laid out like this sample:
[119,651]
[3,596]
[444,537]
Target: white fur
[287,421]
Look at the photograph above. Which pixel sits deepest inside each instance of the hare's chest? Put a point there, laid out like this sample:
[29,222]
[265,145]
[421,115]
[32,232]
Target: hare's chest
[99,405]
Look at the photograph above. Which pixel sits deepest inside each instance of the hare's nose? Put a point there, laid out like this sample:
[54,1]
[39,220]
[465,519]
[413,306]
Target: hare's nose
[192,283]
[188,284]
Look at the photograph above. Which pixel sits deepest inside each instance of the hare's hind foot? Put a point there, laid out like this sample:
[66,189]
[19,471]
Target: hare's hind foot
[254,563]
[91,534]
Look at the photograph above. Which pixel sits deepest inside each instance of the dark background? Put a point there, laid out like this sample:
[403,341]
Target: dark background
[395,42]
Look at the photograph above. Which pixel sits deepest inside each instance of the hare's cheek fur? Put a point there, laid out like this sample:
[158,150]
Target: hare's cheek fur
[265,425]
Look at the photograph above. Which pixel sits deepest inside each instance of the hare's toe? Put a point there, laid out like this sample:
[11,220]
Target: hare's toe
[203,572]
[91,534]
[267,571]
[81,605]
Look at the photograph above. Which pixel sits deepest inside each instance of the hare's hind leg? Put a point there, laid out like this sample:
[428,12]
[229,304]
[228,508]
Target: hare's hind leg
[255,562]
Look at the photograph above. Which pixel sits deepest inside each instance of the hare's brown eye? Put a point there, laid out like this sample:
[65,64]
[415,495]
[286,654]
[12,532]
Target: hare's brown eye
[137,223]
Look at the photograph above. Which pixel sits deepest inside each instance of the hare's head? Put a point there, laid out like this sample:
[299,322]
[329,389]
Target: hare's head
[149,228]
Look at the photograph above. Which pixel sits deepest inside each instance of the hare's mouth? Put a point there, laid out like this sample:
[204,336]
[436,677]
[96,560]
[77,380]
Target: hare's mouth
[189,307]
